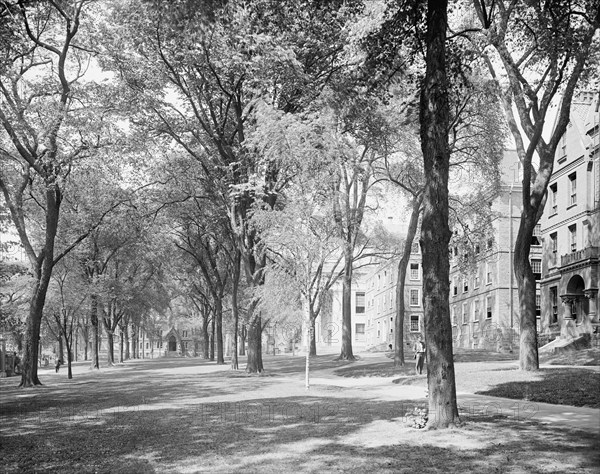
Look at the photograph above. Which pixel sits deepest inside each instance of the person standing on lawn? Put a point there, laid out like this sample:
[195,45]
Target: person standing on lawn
[419,355]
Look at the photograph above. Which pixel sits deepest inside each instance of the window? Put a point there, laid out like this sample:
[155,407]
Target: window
[488,273]
[384,278]
[360,328]
[414,323]
[147,346]
[360,302]
[573,237]
[465,313]
[563,148]
[476,311]
[454,286]
[554,304]
[476,279]
[414,248]
[378,281]
[573,189]
[553,199]
[414,297]
[490,243]
[554,242]
[414,271]
[536,267]
[538,305]
[465,285]
[184,333]
[536,239]
[488,307]
[453,315]
[391,300]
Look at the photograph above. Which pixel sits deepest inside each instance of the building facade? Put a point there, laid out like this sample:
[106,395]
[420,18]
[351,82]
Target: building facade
[484,305]
[571,228]
[380,294]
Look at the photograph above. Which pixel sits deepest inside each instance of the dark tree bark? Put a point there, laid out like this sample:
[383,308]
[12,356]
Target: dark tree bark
[401,281]
[346,352]
[255,363]
[95,331]
[435,231]
[121,346]
[211,351]
[313,338]
[126,332]
[219,330]
[243,336]
[61,347]
[237,261]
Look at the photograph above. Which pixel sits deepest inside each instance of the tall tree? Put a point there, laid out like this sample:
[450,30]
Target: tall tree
[435,231]
[42,137]
[541,52]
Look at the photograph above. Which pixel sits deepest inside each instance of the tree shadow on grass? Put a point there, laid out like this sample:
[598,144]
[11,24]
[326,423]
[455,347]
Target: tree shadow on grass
[377,369]
[575,387]
[290,434]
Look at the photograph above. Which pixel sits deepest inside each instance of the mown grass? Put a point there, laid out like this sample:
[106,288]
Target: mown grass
[575,387]
[183,415]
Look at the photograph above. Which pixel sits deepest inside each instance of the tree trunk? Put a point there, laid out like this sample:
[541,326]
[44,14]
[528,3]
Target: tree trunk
[85,334]
[435,231]
[29,373]
[211,349]
[95,332]
[235,310]
[312,334]
[134,342]
[400,283]
[69,360]
[528,355]
[255,363]
[206,341]
[126,331]
[346,353]
[121,336]
[110,339]
[219,327]
[61,347]
[243,335]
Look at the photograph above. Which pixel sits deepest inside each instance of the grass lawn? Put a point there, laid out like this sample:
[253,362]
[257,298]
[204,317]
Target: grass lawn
[576,387]
[187,415]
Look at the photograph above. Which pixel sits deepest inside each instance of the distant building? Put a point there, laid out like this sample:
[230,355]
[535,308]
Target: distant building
[328,326]
[570,228]
[484,305]
[381,302]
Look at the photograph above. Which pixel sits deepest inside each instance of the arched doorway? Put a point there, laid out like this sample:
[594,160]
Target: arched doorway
[172,344]
[575,292]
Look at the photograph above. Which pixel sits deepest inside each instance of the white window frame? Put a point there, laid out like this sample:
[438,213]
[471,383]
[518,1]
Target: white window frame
[417,292]
[418,323]
[414,272]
